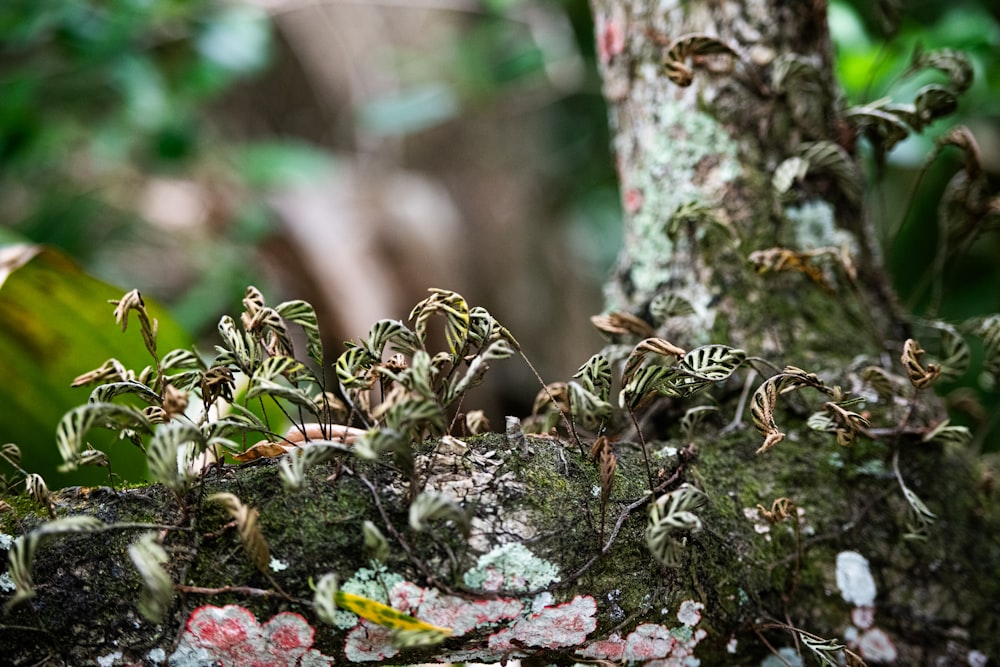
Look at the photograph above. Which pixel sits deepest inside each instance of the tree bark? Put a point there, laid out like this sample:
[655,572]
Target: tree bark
[707,99]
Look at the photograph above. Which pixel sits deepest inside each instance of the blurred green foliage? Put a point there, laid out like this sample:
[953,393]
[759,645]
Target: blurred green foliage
[874,52]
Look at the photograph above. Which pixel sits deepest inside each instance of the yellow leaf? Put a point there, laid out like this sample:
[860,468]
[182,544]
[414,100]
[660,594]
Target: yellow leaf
[384,615]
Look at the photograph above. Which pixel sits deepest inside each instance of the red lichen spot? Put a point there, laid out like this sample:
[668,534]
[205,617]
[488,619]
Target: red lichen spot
[232,637]
[633,200]
[610,38]
[875,646]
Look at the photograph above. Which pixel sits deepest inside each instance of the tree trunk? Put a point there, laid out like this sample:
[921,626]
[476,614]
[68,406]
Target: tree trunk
[725,245]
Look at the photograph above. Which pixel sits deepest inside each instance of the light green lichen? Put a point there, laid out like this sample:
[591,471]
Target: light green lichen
[372,584]
[688,160]
[520,569]
[815,226]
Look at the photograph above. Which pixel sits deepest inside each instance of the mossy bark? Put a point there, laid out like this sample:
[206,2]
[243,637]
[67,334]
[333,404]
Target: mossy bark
[696,164]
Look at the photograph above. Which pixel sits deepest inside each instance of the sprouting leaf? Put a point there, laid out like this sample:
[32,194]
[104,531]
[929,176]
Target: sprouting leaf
[325,599]
[293,467]
[386,616]
[989,329]
[238,348]
[882,128]
[498,349]
[665,352]
[693,417]
[265,382]
[111,370]
[666,305]
[946,434]
[303,314]
[20,558]
[954,352]
[955,64]
[762,406]
[622,324]
[644,385]
[827,157]
[847,424]
[456,312]
[671,513]
[791,171]
[374,442]
[353,368]
[38,491]
[595,376]
[251,537]
[484,329]
[920,377]
[427,507]
[133,301]
[390,332]
[75,424]
[11,452]
[157,588]
[691,46]
[607,463]
[791,71]
[106,392]
[181,358]
[932,102]
[825,650]
[712,363]
[164,450]
[886,385]
[375,543]
[589,408]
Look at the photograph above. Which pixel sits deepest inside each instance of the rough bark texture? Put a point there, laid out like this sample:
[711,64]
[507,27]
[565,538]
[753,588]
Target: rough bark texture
[696,164]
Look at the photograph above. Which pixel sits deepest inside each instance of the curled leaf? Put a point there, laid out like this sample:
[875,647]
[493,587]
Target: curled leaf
[920,377]
[246,520]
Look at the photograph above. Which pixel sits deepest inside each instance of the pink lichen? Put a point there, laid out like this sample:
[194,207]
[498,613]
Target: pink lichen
[652,644]
[450,611]
[610,37]
[863,617]
[231,637]
[566,624]
[369,642]
[649,642]
[612,649]
[633,200]
[875,646]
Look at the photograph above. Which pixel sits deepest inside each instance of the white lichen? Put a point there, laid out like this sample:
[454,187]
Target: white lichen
[854,579]
[787,657]
[7,584]
[278,565]
[109,659]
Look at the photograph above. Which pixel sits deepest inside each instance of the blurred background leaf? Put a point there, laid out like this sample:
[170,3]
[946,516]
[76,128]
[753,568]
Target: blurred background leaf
[58,324]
